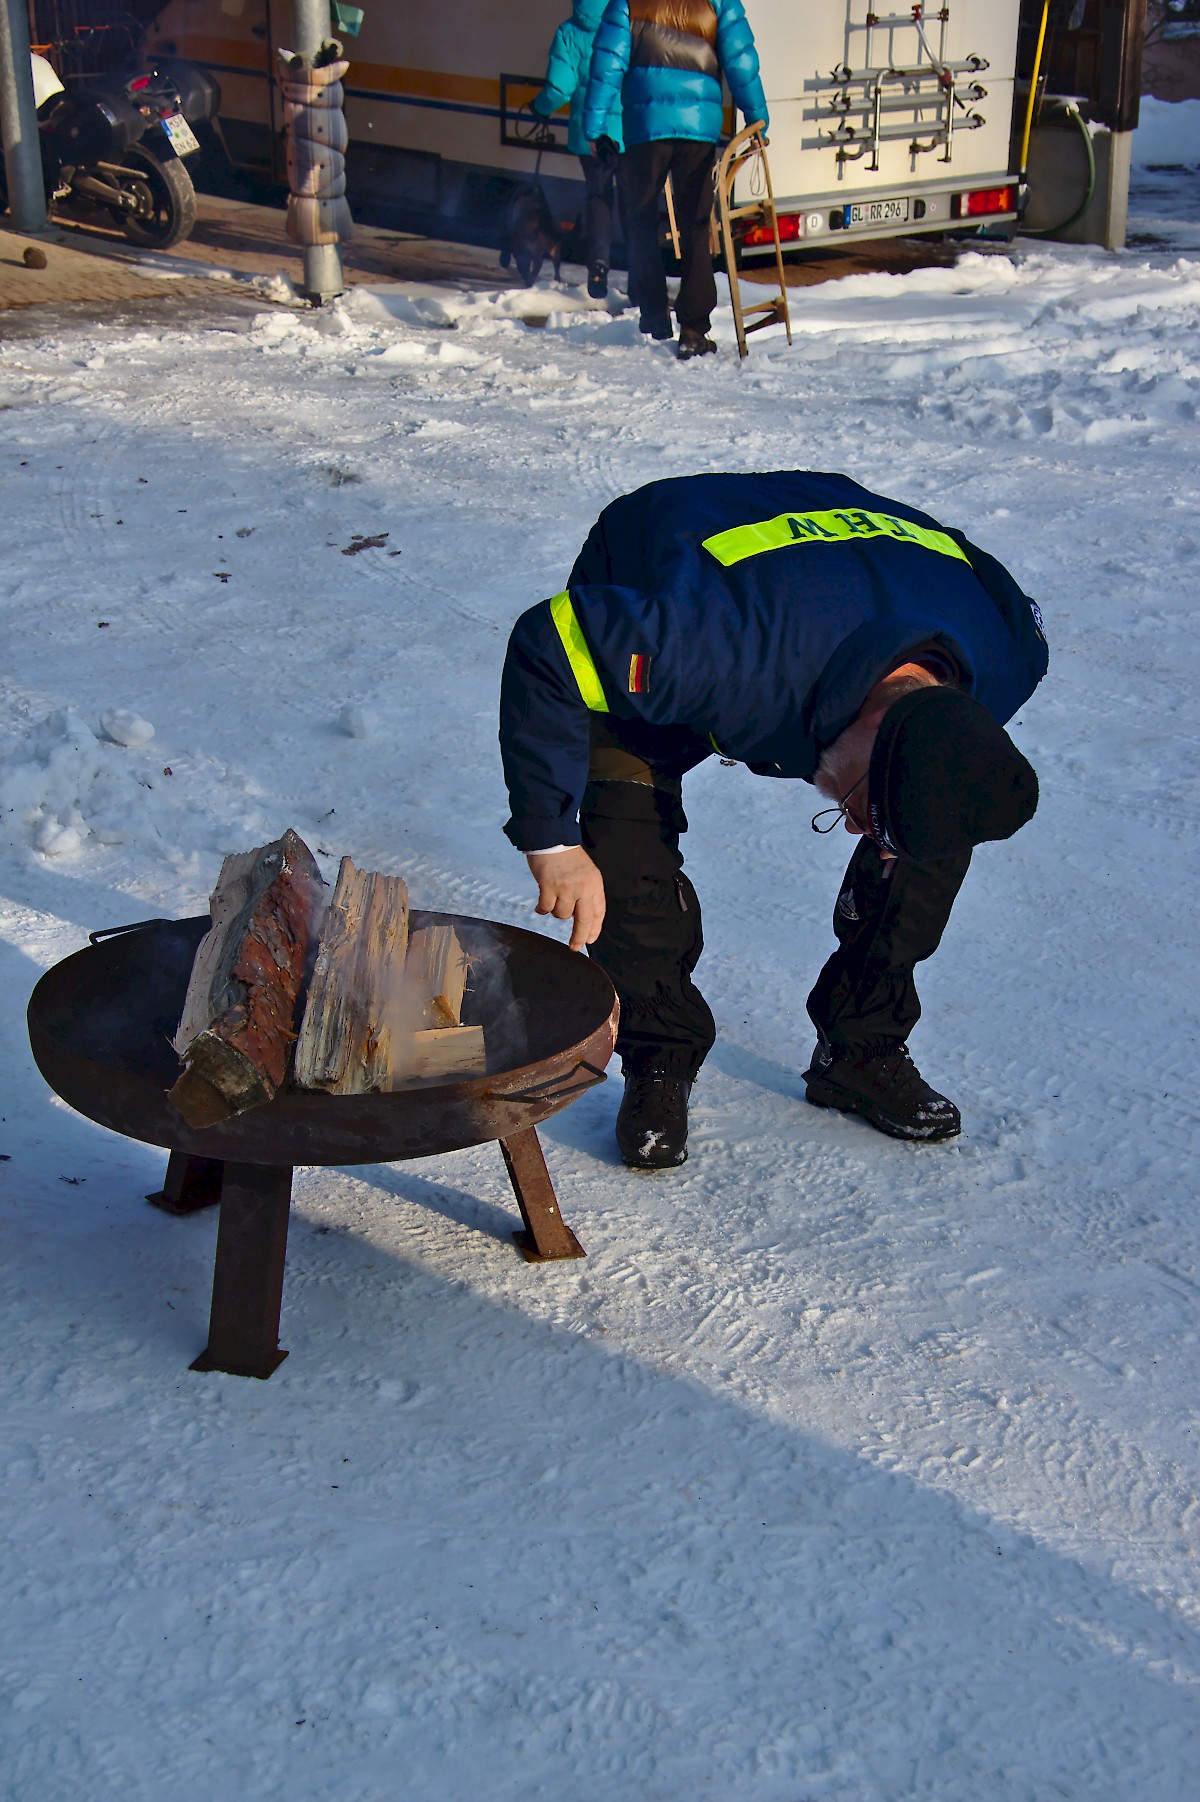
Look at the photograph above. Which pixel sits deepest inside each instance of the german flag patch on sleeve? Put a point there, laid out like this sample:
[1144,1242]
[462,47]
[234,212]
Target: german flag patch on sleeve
[639,674]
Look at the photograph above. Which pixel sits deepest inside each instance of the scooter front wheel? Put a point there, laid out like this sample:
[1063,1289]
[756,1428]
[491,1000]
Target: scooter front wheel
[165,200]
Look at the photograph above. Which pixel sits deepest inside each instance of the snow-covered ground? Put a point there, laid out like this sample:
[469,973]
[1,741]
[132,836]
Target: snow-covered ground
[841,1469]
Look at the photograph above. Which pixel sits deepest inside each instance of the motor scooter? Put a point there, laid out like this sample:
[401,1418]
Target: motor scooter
[113,144]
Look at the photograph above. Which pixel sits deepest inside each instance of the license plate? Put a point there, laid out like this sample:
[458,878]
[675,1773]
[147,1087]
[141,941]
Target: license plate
[183,138]
[875,212]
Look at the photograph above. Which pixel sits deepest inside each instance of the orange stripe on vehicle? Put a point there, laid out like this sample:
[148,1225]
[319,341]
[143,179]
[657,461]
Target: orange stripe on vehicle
[380,78]
[232,53]
[430,84]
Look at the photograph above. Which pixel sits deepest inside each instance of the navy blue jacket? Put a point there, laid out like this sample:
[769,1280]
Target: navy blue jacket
[756,610]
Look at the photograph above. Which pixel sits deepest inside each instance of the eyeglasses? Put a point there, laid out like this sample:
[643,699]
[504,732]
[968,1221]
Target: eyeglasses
[839,812]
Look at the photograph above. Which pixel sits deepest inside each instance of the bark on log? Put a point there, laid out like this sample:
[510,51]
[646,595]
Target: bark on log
[352,1017]
[238,1024]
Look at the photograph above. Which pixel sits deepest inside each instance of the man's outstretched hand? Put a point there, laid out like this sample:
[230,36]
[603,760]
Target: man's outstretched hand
[571,888]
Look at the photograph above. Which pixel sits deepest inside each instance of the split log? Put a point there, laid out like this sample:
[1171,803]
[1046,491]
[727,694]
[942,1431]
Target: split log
[443,1051]
[431,1040]
[352,1017]
[436,975]
[238,1024]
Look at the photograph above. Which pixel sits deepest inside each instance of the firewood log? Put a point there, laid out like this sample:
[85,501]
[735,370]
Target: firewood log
[352,1017]
[441,1051]
[430,1040]
[238,1023]
[436,975]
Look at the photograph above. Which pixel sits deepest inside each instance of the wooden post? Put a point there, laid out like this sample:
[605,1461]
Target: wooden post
[1119,86]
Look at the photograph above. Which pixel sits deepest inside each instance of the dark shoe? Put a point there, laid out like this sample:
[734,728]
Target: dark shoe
[887,1090]
[652,1121]
[598,281]
[658,325]
[694,344]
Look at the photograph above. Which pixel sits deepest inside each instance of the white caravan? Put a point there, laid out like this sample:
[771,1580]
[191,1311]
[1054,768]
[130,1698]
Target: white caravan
[881,122]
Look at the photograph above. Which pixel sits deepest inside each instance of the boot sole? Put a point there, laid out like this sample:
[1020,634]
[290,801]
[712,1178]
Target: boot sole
[828,1095]
[635,1162]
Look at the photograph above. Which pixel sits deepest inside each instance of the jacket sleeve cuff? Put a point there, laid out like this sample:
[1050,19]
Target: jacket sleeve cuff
[529,834]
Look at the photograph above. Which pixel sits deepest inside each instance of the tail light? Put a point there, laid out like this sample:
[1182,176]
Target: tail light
[789,230]
[984,201]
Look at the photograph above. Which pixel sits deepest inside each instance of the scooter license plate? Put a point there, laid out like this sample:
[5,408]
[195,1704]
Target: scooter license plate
[183,138]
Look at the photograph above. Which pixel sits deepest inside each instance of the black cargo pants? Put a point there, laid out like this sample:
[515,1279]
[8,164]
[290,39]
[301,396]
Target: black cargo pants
[865,999]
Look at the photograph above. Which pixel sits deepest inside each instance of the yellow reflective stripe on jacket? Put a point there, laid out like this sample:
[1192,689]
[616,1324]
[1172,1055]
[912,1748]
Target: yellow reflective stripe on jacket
[583,664]
[835,527]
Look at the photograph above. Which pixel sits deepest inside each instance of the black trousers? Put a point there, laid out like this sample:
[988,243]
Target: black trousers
[644,170]
[600,199]
[888,917]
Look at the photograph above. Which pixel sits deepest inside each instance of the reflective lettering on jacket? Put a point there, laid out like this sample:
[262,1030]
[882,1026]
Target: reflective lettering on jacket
[741,542]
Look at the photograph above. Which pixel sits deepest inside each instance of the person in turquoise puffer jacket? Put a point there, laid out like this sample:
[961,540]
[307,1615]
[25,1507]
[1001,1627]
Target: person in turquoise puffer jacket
[665,59]
[566,81]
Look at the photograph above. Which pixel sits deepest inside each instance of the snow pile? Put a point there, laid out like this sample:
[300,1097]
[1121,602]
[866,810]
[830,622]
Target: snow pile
[124,727]
[66,785]
[358,722]
[1168,134]
[48,787]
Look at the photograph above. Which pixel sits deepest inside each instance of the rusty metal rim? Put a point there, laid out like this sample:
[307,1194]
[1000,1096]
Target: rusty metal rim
[310,1127]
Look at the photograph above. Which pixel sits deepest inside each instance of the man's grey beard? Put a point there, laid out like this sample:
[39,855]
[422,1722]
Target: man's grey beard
[842,762]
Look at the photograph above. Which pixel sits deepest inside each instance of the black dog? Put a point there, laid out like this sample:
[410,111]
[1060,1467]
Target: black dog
[530,234]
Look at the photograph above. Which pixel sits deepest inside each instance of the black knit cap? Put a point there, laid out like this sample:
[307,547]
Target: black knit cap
[944,776]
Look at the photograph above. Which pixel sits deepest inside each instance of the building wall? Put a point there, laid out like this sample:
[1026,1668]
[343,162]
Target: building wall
[1171,59]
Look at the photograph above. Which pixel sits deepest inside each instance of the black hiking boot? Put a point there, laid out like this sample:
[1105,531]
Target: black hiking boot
[652,1122]
[694,344]
[887,1090]
[598,281]
[656,325]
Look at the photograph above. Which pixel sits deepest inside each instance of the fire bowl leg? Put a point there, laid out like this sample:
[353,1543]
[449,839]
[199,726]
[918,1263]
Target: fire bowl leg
[547,1235]
[243,1329]
[190,1184]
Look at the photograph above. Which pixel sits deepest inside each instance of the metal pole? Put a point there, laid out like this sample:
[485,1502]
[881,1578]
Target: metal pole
[18,117]
[322,262]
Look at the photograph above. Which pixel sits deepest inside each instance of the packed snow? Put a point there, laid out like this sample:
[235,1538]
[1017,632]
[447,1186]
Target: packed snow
[841,1468]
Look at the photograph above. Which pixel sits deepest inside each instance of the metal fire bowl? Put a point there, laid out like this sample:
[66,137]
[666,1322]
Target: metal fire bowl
[101,1023]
